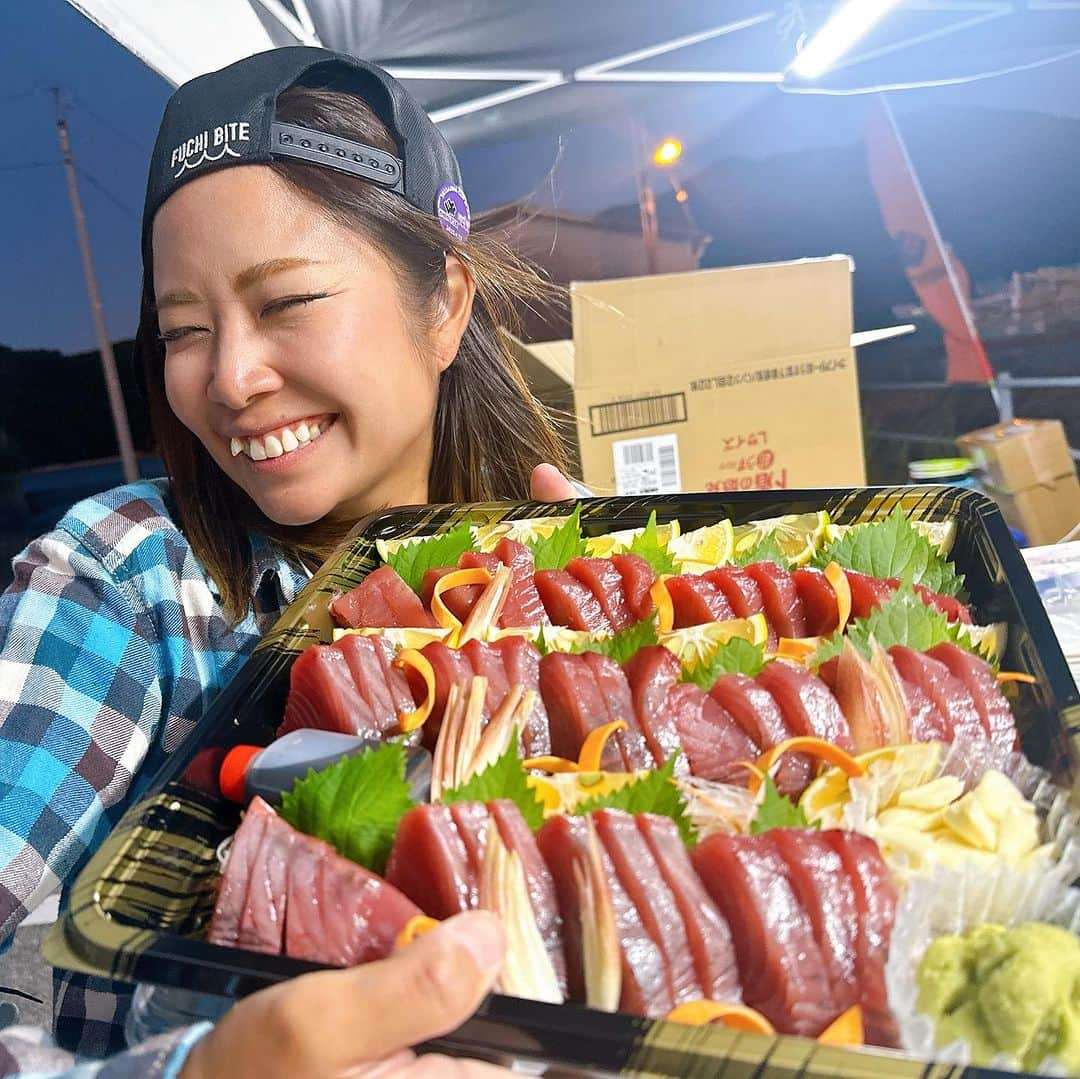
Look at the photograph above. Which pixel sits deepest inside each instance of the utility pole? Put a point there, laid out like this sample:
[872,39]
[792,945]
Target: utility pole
[108,360]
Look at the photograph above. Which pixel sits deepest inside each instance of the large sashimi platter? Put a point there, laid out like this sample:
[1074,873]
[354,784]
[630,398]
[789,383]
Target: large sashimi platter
[732,774]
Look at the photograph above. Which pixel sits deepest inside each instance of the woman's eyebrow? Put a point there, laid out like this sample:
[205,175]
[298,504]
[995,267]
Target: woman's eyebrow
[253,275]
[245,279]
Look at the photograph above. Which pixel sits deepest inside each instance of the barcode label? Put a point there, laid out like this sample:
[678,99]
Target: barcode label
[618,416]
[647,466]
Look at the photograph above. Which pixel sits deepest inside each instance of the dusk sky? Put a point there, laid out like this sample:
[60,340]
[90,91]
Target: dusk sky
[114,103]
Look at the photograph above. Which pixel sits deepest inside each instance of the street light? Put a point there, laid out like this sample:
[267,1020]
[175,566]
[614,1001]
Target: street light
[668,152]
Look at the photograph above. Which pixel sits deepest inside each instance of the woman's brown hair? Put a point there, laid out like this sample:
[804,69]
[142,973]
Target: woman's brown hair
[490,432]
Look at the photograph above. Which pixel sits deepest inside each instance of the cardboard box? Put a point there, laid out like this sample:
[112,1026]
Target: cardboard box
[716,380]
[1044,513]
[1020,454]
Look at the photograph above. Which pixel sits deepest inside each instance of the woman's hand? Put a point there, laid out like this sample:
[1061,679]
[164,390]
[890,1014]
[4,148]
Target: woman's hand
[359,1023]
[550,485]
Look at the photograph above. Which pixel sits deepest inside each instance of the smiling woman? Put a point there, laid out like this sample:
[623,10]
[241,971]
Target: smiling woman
[320,339]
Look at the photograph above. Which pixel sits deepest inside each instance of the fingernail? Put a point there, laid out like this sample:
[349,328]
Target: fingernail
[482,933]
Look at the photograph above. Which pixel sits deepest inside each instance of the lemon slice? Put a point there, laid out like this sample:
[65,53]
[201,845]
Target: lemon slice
[530,528]
[696,644]
[798,535]
[563,639]
[387,547]
[619,542]
[398,636]
[704,548]
[989,641]
[896,768]
[562,791]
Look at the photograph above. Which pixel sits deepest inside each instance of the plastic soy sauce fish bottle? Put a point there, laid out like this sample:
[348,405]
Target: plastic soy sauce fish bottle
[270,771]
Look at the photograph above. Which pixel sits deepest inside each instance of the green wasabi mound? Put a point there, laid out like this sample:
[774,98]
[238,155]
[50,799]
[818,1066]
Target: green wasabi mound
[1013,991]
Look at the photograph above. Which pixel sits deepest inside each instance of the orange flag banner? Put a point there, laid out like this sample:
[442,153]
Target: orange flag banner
[936,274]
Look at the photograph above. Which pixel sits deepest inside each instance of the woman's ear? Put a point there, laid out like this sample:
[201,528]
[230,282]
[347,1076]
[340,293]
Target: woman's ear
[456,312]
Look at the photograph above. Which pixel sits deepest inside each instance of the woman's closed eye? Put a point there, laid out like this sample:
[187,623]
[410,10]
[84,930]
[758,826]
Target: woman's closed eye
[180,332]
[290,302]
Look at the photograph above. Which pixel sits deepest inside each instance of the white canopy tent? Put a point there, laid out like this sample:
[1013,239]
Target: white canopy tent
[491,67]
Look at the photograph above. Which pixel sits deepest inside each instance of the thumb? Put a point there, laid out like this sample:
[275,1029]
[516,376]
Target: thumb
[429,988]
[550,485]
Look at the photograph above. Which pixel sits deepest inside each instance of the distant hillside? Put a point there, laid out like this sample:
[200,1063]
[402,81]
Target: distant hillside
[1001,183]
[56,410]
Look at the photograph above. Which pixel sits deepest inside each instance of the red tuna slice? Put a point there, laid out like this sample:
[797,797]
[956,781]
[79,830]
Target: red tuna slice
[875,898]
[262,921]
[369,674]
[950,606]
[993,708]
[806,703]
[522,606]
[757,713]
[743,594]
[819,602]
[430,864]
[575,706]
[381,599]
[613,686]
[783,608]
[696,601]
[925,722]
[569,603]
[714,744]
[821,884]
[640,876]
[402,698]
[707,932]
[305,931]
[604,581]
[232,891]
[563,842]
[780,964]
[361,913]
[488,663]
[522,663]
[459,601]
[946,692]
[517,836]
[739,588]
[451,667]
[867,592]
[651,672]
[323,695]
[637,578]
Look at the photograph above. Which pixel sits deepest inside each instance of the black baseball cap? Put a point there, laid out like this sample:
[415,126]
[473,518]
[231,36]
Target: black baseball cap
[228,117]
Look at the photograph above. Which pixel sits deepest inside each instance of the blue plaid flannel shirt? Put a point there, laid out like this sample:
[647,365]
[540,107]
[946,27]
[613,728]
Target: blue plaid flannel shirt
[112,646]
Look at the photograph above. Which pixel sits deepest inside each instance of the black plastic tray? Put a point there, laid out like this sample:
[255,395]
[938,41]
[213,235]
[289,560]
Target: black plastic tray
[140,906]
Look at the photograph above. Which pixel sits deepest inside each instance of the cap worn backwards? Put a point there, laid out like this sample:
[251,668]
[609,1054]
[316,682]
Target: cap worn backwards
[228,117]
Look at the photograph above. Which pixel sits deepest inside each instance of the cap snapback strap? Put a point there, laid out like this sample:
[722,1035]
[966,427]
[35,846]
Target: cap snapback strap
[368,162]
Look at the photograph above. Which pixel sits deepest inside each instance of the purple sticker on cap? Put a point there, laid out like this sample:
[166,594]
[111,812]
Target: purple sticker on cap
[453,210]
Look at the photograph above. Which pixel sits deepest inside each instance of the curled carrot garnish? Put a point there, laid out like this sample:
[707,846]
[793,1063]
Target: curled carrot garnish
[411,657]
[665,609]
[845,1029]
[816,747]
[797,648]
[588,759]
[837,578]
[593,749]
[416,926]
[456,579]
[699,1012]
[1017,676]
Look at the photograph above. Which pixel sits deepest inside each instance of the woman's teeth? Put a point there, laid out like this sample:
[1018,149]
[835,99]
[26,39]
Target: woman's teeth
[269,446]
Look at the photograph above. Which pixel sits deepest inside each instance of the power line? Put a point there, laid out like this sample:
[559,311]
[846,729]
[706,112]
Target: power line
[102,190]
[28,165]
[75,99]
